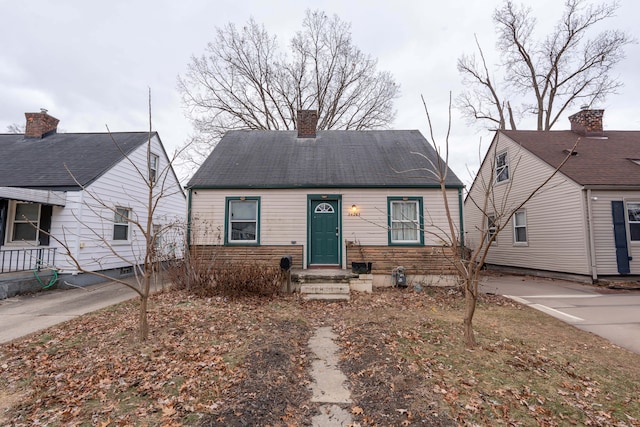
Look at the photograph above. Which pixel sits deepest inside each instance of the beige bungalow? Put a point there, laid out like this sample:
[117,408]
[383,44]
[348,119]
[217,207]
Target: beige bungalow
[327,198]
[584,222]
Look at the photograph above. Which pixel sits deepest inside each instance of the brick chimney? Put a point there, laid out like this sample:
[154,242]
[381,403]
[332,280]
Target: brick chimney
[307,123]
[40,124]
[587,122]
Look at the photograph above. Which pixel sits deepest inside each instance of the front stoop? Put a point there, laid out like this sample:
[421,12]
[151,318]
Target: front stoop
[364,283]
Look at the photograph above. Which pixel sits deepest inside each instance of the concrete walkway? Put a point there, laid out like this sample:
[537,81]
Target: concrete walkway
[329,382]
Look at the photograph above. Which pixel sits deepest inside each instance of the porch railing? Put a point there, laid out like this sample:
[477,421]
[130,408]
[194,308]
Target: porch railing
[13,260]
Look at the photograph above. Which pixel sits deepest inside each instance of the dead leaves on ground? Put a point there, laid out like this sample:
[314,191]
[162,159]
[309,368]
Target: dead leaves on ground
[233,362]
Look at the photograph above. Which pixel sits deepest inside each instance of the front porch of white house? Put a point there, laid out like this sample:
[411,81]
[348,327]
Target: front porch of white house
[26,270]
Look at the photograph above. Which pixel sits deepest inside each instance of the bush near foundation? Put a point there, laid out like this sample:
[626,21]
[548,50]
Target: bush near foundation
[225,278]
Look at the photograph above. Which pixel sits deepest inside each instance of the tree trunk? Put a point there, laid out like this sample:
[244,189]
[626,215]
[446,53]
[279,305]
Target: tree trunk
[470,297]
[144,324]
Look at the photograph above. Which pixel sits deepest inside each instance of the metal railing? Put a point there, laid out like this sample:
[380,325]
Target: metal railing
[13,260]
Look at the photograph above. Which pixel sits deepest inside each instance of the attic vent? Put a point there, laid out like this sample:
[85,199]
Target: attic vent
[567,151]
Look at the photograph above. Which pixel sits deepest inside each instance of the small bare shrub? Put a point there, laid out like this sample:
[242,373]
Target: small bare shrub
[206,278]
[242,278]
[191,272]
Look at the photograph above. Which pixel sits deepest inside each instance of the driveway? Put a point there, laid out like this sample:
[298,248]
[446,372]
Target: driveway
[22,315]
[609,313]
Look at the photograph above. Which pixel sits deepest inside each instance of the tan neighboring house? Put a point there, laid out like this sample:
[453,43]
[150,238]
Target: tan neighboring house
[585,221]
[327,198]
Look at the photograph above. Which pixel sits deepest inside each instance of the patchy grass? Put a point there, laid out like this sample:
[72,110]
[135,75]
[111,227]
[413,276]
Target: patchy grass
[246,362]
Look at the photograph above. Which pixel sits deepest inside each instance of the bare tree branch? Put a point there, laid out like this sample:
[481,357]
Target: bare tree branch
[243,81]
[547,76]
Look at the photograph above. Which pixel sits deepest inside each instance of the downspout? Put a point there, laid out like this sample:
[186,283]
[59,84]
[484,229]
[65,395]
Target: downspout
[592,245]
[460,207]
[78,243]
[189,219]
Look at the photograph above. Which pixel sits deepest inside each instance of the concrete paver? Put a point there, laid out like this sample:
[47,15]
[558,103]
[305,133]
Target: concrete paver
[329,381]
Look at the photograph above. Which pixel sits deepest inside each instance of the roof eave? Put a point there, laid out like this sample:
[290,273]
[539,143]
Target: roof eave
[298,187]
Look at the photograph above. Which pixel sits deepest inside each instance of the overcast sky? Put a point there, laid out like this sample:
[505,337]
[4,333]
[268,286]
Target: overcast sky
[92,63]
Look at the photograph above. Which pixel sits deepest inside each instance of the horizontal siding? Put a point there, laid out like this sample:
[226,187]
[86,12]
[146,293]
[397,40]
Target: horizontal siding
[556,223]
[283,215]
[87,221]
[264,255]
[427,260]
[603,232]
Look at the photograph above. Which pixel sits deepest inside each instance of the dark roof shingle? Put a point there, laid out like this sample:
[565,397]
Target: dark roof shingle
[43,163]
[335,158]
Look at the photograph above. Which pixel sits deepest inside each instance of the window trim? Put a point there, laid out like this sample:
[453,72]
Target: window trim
[499,169]
[153,171]
[126,224]
[420,221]
[629,222]
[227,221]
[489,228]
[516,242]
[11,222]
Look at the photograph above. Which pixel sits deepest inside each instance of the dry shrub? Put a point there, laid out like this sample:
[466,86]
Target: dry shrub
[225,278]
[190,272]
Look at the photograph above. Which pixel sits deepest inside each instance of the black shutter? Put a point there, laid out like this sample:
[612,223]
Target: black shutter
[45,224]
[3,219]
[620,235]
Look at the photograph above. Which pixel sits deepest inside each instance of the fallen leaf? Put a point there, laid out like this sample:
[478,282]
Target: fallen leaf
[357,410]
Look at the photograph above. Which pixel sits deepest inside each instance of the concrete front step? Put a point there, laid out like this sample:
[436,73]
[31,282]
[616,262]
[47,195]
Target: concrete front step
[325,291]
[326,297]
[318,276]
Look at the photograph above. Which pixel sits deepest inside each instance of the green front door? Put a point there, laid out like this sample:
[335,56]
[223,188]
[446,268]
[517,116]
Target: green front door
[325,232]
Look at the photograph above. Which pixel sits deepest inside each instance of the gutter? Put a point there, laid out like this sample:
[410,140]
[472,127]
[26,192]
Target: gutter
[610,187]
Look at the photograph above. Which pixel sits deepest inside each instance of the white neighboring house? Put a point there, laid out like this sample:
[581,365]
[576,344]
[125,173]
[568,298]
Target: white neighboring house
[84,188]
[584,222]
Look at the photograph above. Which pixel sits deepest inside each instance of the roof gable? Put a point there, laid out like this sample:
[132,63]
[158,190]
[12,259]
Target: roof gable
[335,158]
[605,160]
[50,162]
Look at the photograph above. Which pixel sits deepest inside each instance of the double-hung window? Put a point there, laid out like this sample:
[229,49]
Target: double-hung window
[25,222]
[633,216]
[491,227]
[242,220]
[405,221]
[520,227]
[502,167]
[154,160]
[121,224]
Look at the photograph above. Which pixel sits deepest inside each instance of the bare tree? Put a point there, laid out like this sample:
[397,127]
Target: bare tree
[15,128]
[469,263]
[144,262]
[244,81]
[545,76]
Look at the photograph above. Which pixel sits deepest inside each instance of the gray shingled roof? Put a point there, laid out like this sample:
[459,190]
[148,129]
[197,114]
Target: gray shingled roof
[335,158]
[605,161]
[40,163]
